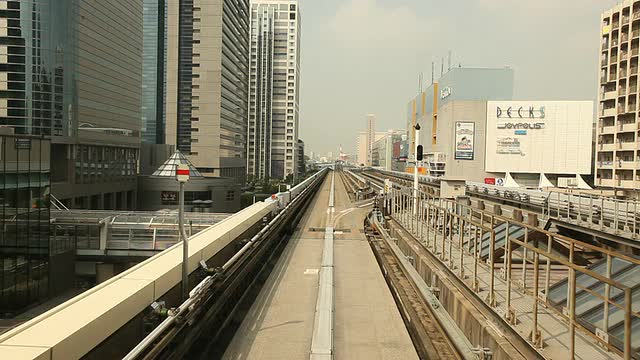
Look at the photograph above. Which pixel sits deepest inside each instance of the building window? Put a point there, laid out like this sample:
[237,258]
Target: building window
[231,195]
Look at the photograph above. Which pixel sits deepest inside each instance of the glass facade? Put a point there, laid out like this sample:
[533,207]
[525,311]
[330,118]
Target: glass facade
[185,75]
[153,70]
[35,57]
[24,219]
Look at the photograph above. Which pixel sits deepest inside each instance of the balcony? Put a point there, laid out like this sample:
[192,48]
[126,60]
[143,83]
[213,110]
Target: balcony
[631,108]
[607,130]
[628,145]
[626,184]
[606,147]
[624,37]
[626,127]
[621,109]
[605,164]
[622,91]
[633,71]
[626,165]
[613,77]
[615,25]
[604,62]
[605,182]
[609,95]
[623,74]
[633,90]
[608,112]
[634,52]
[614,59]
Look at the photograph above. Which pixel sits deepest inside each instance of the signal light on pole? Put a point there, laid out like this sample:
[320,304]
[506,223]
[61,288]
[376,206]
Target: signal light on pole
[419,153]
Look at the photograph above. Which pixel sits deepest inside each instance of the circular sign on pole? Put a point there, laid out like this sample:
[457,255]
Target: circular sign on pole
[500,181]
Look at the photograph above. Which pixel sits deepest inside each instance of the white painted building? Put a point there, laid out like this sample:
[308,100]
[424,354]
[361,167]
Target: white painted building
[274,85]
[524,143]
[549,139]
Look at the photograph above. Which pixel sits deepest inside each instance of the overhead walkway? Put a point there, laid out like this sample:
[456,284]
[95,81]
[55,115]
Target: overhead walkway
[91,321]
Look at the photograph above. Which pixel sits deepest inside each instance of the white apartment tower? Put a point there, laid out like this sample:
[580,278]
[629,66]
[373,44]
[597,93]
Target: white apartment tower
[371,134]
[618,127]
[274,81]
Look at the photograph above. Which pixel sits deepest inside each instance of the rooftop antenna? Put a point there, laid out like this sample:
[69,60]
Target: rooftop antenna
[449,61]
[433,66]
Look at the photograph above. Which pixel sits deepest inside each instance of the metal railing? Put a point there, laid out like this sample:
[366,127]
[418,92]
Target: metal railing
[605,214]
[454,233]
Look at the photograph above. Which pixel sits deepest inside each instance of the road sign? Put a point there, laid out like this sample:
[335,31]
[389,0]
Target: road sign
[500,181]
[182,173]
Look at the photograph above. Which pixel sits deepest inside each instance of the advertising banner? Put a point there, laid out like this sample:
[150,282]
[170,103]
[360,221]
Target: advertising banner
[465,133]
[550,137]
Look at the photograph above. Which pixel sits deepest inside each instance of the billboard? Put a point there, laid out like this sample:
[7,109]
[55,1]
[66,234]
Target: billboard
[465,139]
[552,137]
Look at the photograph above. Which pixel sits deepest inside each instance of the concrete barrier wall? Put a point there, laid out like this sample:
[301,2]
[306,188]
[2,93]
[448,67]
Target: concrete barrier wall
[73,328]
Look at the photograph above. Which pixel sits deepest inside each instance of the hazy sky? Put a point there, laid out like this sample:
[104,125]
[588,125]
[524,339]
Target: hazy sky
[365,56]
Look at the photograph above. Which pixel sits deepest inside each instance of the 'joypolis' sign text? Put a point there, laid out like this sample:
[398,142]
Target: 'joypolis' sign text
[521,113]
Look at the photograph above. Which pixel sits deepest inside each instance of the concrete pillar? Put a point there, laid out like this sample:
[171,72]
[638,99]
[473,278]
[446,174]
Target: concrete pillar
[532,219]
[104,272]
[517,215]
[497,209]
[481,205]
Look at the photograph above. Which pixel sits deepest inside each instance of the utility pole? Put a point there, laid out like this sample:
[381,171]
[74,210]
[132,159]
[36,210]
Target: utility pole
[182,176]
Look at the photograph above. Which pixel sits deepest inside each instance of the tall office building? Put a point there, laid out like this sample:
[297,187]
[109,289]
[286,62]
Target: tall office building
[274,89]
[618,127]
[71,70]
[207,84]
[70,81]
[371,134]
[154,53]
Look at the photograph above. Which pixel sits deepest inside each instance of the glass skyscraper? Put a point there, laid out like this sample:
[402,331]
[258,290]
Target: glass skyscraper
[24,220]
[154,53]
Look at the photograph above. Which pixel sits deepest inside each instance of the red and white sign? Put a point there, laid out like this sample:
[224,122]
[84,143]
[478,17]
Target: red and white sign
[490,181]
[182,173]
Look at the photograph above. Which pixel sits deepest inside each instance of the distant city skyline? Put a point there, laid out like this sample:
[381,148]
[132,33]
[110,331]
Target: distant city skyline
[352,61]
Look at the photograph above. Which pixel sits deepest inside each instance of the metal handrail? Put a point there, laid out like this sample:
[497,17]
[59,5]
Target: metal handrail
[400,209]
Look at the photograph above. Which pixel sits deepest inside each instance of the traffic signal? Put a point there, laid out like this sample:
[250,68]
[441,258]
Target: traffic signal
[419,153]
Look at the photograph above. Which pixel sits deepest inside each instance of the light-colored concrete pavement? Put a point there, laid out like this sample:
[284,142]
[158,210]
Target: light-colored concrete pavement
[367,324]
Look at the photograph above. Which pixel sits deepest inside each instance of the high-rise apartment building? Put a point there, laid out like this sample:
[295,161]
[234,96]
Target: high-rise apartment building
[71,70]
[154,53]
[371,134]
[362,145]
[207,83]
[274,89]
[618,127]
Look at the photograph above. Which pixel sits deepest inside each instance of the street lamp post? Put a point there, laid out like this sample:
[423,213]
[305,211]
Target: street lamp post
[418,157]
[182,176]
